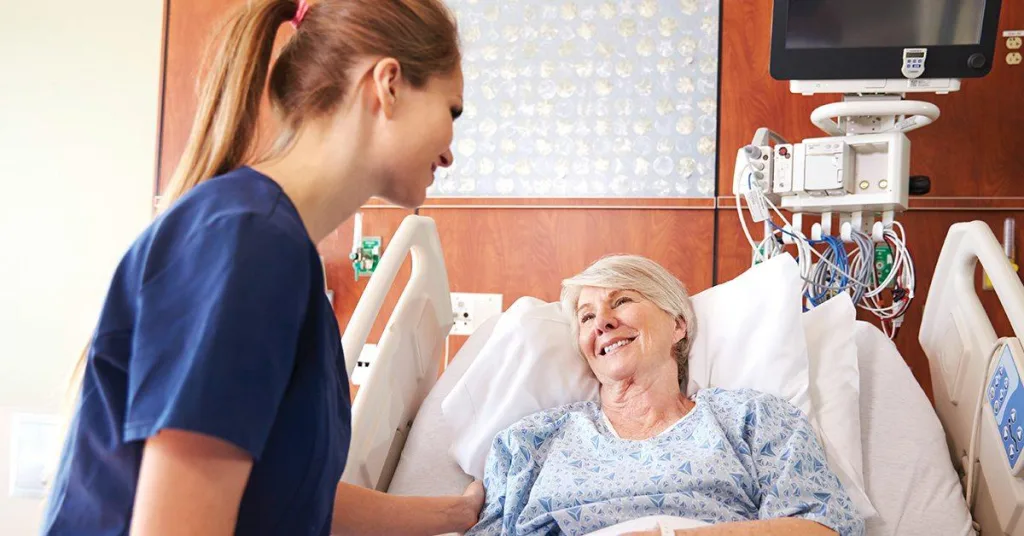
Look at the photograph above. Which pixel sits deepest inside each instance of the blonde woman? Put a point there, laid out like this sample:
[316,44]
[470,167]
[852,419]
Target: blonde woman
[214,398]
[744,462]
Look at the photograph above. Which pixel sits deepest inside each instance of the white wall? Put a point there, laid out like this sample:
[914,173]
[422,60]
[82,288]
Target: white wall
[79,92]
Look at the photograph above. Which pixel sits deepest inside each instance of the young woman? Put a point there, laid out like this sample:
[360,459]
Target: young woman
[214,397]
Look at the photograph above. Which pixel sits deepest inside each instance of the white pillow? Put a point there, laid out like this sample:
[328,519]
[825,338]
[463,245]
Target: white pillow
[835,393]
[749,334]
[528,364]
[423,469]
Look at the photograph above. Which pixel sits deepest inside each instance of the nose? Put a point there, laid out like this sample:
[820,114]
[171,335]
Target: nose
[605,323]
[447,158]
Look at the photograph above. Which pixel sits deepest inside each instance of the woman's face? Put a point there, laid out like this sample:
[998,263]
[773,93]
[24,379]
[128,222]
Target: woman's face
[418,136]
[624,336]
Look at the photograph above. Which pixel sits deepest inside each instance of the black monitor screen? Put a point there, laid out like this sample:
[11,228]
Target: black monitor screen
[883,23]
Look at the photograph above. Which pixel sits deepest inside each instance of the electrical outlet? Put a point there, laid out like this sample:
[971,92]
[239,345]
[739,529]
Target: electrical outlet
[35,449]
[1014,43]
[470,311]
[366,358]
[1014,58]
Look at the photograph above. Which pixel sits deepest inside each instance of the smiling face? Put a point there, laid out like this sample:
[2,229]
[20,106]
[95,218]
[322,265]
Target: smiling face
[625,336]
[416,131]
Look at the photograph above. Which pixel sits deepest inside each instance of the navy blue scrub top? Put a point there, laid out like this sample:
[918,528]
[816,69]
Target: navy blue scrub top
[216,322]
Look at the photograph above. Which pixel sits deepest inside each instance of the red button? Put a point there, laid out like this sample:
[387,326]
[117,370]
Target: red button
[783,151]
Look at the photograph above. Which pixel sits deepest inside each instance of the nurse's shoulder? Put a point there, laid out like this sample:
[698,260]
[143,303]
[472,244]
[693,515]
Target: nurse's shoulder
[242,208]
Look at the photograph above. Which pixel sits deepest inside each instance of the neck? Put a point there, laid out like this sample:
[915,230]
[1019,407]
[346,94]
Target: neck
[640,408]
[323,175]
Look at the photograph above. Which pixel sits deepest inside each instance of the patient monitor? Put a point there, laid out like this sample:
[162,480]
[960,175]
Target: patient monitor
[878,55]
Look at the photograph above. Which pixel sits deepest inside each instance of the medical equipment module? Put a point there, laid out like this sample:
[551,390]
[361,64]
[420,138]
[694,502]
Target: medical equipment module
[366,251]
[856,178]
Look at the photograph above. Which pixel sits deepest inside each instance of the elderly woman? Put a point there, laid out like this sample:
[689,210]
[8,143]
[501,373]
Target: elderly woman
[743,461]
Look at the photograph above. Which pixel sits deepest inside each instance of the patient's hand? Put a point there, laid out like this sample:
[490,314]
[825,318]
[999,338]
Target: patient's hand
[474,502]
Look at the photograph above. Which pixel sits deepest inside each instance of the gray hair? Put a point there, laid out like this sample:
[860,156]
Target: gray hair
[639,274]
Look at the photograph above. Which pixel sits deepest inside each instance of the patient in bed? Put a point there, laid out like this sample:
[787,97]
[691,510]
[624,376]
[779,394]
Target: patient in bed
[741,460]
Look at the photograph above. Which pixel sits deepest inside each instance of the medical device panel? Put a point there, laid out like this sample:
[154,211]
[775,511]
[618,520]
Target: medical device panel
[883,39]
[1005,398]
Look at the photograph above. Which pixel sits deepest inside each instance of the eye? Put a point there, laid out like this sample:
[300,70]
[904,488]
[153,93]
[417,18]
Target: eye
[585,318]
[622,300]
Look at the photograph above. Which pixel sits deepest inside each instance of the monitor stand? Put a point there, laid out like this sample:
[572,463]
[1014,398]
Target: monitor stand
[940,86]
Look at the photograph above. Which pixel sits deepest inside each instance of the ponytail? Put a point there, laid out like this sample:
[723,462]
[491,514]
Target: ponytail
[226,118]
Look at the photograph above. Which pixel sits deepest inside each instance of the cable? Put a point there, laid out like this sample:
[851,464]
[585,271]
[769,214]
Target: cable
[977,421]
[746,231]
[828,281]
[739,211]
[802,238]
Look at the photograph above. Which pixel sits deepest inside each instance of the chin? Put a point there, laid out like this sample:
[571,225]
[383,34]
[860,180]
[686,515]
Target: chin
[411,198]
[616,371]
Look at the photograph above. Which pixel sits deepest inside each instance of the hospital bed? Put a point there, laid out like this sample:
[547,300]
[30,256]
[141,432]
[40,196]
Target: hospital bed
[400,438]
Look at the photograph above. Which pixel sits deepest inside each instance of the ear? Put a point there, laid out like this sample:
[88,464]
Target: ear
[387,75]
[680,330]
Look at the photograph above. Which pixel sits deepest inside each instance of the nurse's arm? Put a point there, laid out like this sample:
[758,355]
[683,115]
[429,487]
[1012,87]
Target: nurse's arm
[359,511]
[189,483]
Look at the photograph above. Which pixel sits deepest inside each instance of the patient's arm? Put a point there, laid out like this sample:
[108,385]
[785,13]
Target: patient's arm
[764,527]
[793,477]
[359,510]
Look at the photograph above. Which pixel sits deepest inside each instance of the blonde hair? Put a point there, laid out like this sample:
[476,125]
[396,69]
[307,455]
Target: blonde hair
[308,81]
[310,77]
[639,274]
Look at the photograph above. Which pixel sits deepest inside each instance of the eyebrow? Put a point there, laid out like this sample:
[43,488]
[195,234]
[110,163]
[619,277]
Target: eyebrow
[612,295]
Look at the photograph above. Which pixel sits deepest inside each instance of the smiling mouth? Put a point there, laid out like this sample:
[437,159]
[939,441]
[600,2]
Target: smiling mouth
[611,348]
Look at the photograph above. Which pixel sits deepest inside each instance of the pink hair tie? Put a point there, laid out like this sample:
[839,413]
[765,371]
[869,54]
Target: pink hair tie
[300,13]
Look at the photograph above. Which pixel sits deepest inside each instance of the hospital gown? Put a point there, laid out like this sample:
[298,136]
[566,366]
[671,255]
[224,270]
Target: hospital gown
[738,455]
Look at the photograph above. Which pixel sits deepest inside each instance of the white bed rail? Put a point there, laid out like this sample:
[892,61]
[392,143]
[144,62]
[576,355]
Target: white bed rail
[958,338]
[387,401]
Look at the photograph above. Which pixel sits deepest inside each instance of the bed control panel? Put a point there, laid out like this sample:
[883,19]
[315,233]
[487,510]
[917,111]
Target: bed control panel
[1005,395]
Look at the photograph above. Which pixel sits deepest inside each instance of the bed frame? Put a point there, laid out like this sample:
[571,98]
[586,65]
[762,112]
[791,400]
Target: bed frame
[409,352]
[956,335]
[958,338]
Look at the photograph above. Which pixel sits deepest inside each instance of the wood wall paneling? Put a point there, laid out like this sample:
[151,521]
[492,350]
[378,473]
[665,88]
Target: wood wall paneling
[192,26]
[527,252]
[974,149]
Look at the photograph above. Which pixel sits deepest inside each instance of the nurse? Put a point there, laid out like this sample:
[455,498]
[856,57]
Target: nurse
[214,398]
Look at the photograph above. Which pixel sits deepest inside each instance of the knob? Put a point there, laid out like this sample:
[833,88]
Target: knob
[920,185]
[976,61]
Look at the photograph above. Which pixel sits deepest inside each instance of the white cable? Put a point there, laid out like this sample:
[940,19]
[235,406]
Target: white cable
[739,213]
[746,231]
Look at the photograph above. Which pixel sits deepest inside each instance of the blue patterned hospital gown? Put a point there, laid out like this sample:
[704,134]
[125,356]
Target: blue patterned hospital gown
[738,455]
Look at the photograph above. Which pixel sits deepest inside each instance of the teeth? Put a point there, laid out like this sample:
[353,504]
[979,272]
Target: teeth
[612,347]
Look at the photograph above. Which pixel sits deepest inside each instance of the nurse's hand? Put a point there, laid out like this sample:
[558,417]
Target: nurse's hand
[359,511]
